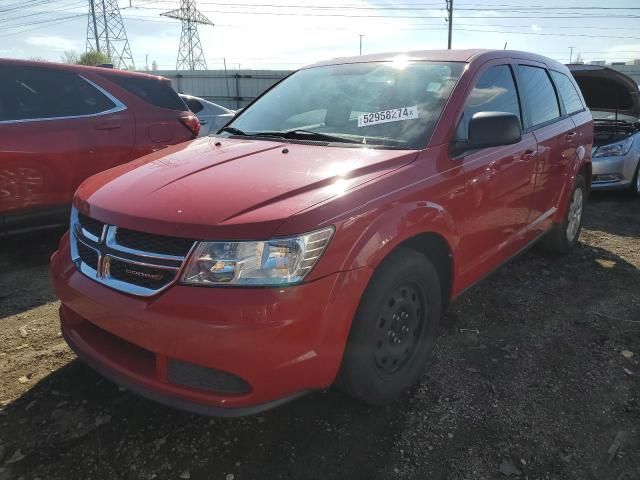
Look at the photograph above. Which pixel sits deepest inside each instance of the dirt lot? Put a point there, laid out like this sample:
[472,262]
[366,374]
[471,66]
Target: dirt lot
[536,375]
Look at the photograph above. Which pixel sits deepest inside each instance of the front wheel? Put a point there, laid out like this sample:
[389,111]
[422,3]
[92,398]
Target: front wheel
[394,329]
[563,237]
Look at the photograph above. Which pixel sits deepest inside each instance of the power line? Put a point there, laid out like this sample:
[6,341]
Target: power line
[412,7]
[46,24]
[345,15]
[423,27]
[42,12]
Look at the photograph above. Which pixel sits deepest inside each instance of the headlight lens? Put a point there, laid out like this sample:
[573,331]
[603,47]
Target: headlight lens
[280,261]
[615,149]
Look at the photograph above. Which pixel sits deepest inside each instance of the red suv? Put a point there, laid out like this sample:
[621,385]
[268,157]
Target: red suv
[60,124]
[318,238]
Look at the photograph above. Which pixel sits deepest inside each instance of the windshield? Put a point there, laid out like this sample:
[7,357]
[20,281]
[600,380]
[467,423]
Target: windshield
[600,115]
[394,104]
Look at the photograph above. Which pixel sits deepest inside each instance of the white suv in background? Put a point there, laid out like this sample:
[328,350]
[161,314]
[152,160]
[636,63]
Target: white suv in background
[211,115]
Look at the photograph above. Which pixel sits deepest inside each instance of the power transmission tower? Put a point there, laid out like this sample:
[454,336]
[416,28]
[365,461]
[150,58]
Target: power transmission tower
[106,33]
[190,54]
[450,20]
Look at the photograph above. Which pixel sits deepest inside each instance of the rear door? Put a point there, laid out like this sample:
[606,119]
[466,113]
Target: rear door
[56,128]
[499,180]
[556,135]
[573,106]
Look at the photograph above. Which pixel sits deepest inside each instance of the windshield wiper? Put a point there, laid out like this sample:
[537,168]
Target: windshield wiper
[318,136]
[305,135]
[234,131]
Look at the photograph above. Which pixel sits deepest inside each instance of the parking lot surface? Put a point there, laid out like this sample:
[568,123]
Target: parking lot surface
[536,375]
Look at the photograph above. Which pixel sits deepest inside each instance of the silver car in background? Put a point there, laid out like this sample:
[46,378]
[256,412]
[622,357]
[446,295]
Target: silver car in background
[614,101]
[211,115]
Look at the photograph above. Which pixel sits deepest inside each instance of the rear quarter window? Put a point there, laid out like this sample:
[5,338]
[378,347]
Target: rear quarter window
[156,92]
[194,105]
[28,93]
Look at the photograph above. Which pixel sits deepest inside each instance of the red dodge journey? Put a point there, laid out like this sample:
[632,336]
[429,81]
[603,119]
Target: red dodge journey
[318,238]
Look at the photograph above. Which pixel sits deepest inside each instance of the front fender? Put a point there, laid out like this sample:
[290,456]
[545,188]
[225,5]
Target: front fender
[394,226]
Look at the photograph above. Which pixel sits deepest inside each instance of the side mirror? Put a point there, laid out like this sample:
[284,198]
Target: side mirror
[491,129]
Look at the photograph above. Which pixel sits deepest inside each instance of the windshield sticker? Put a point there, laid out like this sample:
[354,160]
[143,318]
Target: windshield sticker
[385,116]
[434,87]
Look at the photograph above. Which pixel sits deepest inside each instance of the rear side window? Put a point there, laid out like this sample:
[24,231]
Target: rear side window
[37,93]
[538,92]
[568,94]
[495,91]
[155,92]
[194,105]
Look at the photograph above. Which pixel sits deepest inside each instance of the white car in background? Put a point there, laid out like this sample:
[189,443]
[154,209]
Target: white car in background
[614,101]
[211,115]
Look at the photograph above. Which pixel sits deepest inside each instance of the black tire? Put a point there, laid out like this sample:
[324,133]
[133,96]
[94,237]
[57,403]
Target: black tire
[399,310]
[559,240]
[635,184]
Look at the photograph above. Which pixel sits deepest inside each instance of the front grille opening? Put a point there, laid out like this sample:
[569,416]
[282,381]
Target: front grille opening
[91,225]
[203,378]
[141,276]
[159,244]
[88,255]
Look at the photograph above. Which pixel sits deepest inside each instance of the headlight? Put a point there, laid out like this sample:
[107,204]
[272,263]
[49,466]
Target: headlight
[615,149]
[280,261]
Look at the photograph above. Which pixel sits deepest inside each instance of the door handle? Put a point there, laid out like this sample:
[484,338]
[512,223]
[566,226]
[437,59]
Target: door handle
[528,154]
[107,126]
[570,135]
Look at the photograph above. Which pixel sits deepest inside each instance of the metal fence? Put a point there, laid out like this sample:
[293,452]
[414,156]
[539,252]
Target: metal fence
[232,89]
[236,88]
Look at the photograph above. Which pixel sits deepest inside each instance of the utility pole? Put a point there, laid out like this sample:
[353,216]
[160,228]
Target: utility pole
[450,20]
[571,54]
[361,35]
[106,33]
[190,54]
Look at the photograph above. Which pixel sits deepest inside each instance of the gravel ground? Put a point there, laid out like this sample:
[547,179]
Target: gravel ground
[536,375]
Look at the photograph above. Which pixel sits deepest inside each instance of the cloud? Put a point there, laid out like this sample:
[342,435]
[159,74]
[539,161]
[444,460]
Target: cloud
[536,28]
[52,42]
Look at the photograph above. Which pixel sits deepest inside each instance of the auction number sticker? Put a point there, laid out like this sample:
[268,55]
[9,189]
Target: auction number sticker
[385,116]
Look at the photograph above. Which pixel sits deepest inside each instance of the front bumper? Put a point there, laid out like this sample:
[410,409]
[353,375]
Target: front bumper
[612,173]
[281,341]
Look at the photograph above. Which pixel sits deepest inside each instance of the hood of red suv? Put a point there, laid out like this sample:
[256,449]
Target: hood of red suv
[227,189]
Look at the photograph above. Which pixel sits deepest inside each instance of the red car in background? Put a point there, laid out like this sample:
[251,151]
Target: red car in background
[60,124]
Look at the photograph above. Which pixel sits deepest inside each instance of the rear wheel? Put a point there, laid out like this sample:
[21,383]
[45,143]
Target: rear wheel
[564,236]
[394,329]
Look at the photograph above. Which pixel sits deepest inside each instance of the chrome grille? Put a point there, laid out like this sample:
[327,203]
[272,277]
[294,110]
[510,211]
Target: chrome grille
[134,262]
[148,242]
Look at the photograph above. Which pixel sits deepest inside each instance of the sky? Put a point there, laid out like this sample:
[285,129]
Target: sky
[286,34]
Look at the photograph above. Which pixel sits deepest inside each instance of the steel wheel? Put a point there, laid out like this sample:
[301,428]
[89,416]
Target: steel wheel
[398,329]
[575,214]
